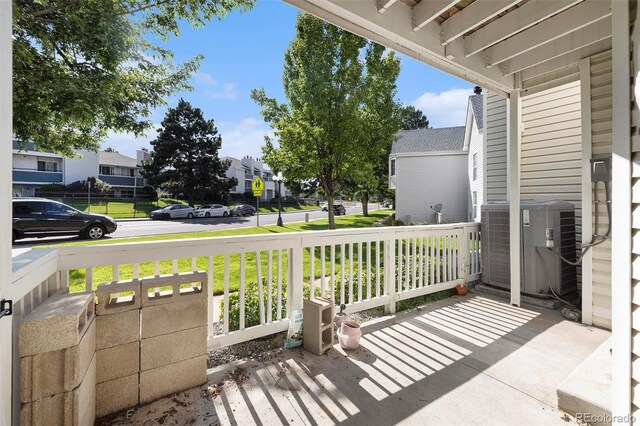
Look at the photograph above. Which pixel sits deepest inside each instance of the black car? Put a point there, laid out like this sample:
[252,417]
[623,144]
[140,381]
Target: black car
[39,217]
[243,210]
[338,209]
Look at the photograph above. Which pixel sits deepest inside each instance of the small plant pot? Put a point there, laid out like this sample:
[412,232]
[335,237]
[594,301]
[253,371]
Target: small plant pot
[461,290]
[350,328]
[349,342]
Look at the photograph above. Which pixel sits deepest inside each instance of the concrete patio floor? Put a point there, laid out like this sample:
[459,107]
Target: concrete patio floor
[460,361]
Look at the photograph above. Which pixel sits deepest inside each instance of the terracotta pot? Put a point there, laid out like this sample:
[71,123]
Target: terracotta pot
[350,328]
[461,289]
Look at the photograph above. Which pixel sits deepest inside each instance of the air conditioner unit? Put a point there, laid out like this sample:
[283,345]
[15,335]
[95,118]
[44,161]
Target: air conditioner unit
[548,228]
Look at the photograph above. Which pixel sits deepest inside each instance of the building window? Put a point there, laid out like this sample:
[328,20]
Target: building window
[393,167]
[475,166]
[474,201]
[247,185]
[47,166]
[106,170]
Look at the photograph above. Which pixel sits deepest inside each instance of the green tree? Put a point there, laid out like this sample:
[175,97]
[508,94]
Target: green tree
[380,121]
[413,118]
[320,130]
[82,68]
[184,158]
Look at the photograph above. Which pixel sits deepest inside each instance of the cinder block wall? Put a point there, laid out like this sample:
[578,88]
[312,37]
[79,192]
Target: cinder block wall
[173,335]
[117,346]
[148,340]
[57,345]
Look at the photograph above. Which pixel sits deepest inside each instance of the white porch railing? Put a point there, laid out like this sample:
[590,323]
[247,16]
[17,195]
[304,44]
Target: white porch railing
[258,280]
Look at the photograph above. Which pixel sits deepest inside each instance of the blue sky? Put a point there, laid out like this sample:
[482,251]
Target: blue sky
[245,51]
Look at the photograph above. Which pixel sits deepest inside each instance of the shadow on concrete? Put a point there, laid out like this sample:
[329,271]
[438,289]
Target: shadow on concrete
[473,360]
[470,360]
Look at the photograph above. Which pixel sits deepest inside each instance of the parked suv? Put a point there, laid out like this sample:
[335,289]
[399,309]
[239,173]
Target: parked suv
[39,217]
[338,209]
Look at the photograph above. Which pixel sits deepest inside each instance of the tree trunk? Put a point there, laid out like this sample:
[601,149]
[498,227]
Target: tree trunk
[365,205]
[332,222]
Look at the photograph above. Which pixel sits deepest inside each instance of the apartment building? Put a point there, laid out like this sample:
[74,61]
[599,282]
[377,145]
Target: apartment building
[33,168]
[246,170]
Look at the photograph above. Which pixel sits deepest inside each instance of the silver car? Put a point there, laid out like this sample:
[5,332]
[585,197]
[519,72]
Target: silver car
[174,211]
[212,210]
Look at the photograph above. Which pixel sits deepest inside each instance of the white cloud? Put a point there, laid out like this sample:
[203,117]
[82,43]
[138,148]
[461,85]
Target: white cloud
[239,138]
[244,137]
[128,143]
[444,109]
[228,92]
[205,79]
[213,88]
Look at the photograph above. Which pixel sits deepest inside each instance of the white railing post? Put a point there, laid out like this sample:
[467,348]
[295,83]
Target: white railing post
[390,271]
[295,286]
[463,252]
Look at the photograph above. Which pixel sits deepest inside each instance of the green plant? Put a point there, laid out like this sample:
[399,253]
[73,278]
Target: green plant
[252,304]
[406,304]
[53,187]
[168,200]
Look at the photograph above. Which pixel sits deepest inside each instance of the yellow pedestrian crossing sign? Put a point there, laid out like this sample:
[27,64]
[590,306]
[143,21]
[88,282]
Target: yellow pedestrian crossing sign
[257,186]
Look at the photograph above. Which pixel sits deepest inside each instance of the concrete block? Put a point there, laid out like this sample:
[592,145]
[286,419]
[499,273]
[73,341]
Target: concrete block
[110,301]
[118,361]
[318,325]
[169,318]
[58,323]
[117,329]
[58,371]
[171,348]
[74,408]
[184,287]
[172,378]
[588,388]
[116,395]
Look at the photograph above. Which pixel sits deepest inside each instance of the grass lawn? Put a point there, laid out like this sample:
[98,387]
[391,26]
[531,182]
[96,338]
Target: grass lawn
[125,209]
[115,209]
[104,274]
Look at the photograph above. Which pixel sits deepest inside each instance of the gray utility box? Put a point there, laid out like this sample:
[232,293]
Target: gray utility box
[547,228]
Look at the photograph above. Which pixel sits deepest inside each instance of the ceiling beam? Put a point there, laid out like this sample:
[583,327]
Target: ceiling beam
[566,60]
[428,10]
[384,5]
[570,20]
[472,16]
[586,36]
[392,30]
[513,22]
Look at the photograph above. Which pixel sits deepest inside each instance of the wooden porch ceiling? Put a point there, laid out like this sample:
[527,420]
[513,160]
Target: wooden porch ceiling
[498,44]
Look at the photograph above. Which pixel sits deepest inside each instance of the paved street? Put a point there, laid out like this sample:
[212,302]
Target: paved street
[141,228]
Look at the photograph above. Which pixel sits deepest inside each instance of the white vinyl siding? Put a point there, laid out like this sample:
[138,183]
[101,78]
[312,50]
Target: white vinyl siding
[426,180]
[495,158]
[601,137]
[552,148]
[475,169]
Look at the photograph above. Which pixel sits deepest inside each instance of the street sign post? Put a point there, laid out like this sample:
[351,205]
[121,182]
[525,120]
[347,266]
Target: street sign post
[257,186]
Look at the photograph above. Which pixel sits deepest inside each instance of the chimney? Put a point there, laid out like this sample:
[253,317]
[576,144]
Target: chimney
[477,90]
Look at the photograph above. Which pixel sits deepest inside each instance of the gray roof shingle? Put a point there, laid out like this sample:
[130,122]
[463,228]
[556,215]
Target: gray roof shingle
[429,140]
[116,159]
[476,105]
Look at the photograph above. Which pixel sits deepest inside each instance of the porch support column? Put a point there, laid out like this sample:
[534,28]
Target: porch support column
[514,126]
[621,254]
[6,186]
